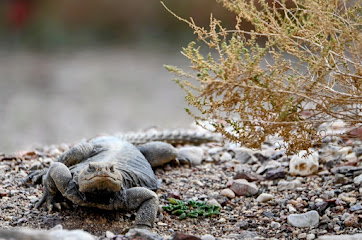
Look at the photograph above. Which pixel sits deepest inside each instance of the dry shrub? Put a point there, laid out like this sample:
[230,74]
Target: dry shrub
[299,67]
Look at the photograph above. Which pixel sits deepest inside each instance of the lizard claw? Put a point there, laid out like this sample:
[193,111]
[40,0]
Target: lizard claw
[51,204]
[35,176]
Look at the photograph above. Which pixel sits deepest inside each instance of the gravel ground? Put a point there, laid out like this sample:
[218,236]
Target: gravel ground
[334,192]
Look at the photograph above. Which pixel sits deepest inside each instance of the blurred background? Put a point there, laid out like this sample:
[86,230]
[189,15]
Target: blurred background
[73,69]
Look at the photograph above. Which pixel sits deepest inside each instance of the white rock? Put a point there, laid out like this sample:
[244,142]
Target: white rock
[207,237]
[192,154]
[110,234]
[227,193]
[310,236]
[285,185]
[264,197]
[303,164]
[351,157]
[225,157]
[357,236]
[358,180]
[308,219]
[275,225]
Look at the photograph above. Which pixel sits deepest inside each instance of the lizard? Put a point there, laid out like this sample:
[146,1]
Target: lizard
[113,172]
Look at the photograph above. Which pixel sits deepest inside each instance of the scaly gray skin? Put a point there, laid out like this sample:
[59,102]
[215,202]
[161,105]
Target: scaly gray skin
[108,173]
[111,173]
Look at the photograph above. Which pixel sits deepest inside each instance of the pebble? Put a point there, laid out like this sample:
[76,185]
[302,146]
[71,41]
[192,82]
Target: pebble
[192,154]
[310,236]
[348,199]
[241,187]
[308,219]
[221,220]
[272,174]
[227,193]
[358,180]
[288,185]
[110,234]
[207,237]
[225,157]
[351,221]
[275,225]
[356,207]
[213,202]
[249,176]
[302,236]
[264,197]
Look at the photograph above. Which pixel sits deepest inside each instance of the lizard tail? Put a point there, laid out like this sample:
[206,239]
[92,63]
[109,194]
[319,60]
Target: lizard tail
[173,137]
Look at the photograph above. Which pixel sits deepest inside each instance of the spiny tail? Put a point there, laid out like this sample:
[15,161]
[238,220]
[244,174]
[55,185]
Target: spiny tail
[173,137]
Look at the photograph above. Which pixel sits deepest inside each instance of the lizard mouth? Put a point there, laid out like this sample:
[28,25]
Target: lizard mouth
[102,177]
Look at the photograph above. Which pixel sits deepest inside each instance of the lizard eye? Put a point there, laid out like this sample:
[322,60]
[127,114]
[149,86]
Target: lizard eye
[112,168]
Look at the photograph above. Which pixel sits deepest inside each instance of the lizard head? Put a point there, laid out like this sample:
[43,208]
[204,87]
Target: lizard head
[99,177]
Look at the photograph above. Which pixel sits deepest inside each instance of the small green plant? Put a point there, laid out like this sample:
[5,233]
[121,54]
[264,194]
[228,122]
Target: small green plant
[191,208]
[299,67]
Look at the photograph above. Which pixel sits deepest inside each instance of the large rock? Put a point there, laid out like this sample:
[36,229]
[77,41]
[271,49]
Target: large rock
[304,164]
[357,236]
[241,187]
[308,219]
[55,233]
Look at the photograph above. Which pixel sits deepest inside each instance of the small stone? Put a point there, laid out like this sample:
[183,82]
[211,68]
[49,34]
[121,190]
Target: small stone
[136,233]
[249,176]
[264,197]
[243,224]
[207,237]
[275,225]
[302,236]
[328,194]
[225,157]
[351,221]
[348,199]
[243,156]
[340,179]
[310,236]
[358,180]
[308,219]
[162,224]
[358,151]
[351,157]
[221,220]
[174,194]
[272,174]
[198,182]
[285,185]
[227,193]
[356,207]
[213,202]
[241,187]
[182,236]
[109,234]
[192,154]
[321,207]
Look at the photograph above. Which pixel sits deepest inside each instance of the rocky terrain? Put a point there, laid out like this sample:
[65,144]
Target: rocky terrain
[263,194]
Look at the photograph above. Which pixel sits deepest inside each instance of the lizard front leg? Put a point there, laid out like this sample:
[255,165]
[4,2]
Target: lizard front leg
[55,185]
[146,201]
